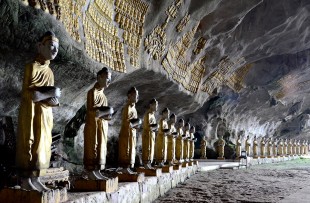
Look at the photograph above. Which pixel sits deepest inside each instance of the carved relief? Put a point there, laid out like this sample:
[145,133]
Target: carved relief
[221,75]
[183,23]
[200,45]
[235,81]
[155,42]
[102,42]
[130,15]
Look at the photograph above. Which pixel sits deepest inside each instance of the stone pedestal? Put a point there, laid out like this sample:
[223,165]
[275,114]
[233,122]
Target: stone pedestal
[184,164]
[54,176]
[123,177]
[167,169]
[150,172]
[110,185]
[13,195]
[255,157]
[221,158]
[177,167]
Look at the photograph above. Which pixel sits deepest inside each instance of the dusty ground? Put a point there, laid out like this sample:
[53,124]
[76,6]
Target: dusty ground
[260,183]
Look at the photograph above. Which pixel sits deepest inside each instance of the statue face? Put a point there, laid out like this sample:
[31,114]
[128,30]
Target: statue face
[187,126]
[181,123]
[104,80]
[48,50]
[166,114]
[134,97]
[173,119]
[192,130]
[154,106]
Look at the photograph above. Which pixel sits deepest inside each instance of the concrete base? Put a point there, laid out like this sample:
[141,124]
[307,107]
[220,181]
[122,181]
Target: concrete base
[139,177]
[167,169]
[13,195]
[184,164]
[177,167]
[221,158]
[150,172]
[146,191]
[108,186]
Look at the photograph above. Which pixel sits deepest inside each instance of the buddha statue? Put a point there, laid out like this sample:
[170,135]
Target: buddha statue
[96,126]
[171,139]
[192,141]
[262,147]
[203,147]
[248,145]
[186,144]
[238,147]
[179,142]
[285,148]
[275,148]
[255,147]
[307,148]
[298,148]
[148,134]
[128,132]
[294,147]
[35,121]
[161,139]
[221,147]
[290,147]
[269,147]
[280,147]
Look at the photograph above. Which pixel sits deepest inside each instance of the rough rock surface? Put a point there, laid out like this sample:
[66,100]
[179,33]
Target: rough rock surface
[272,36]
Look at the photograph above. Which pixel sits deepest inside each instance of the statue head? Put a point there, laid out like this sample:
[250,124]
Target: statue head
[133,95]
[173,118]
[181,123]
[104,77]
[165,113]
[187,126]
[48,46]
[153,105]
[192,129]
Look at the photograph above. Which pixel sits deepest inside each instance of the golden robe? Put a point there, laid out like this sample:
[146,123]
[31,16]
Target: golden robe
[280,149]
[148,138]
[186,146]
[289,149]
[262,148]
[95,131]
[171,144]
[248,147]
[203,148]
[161,142]
[179,145]
[285,148]
[127,137]
[35,121]
[192,146]
[255,145]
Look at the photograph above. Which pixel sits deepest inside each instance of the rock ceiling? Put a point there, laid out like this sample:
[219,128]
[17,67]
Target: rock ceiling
[238,63]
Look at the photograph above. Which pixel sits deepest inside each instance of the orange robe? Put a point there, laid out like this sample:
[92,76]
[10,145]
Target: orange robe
[35,121]
[95,131]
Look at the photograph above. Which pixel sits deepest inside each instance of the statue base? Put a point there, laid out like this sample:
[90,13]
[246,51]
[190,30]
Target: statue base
[150,172]
[177,167]
[255,157]
[124,177]
[110,185]
[262,157]
[269,156]
[54,177]
[184,164]
[167,169]
[12,195]
[221,158]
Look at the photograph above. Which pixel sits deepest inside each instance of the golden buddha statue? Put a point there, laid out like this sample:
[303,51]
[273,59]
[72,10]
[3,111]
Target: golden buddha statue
[221,147]
[238,147]
[262,147]
[248,145]
[255,147]
[35,122]
[290,147]
[192,141]
[127,136]
[179,142]
[280,147]
[148,134]
[294,147]
[96,126]
[307,148]
[161,139]
[203,147]
[298,147]
[285,148]
[269,148]
[171,140]
[275,148]
[186,144]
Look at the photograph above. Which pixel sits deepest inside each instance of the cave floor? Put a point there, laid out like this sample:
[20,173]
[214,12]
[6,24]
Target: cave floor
[287,182]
